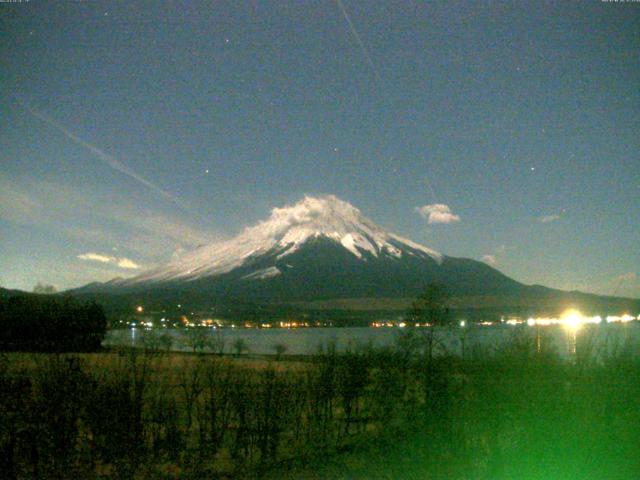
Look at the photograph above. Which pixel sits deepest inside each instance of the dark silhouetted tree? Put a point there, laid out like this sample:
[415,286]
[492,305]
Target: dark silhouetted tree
[430,307]
[50,324]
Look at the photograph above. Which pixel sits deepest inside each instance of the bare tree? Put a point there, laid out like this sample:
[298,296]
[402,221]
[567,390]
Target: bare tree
[431,307]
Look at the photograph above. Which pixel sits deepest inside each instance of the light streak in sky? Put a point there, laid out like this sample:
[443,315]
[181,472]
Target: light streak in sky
[354,32]
[110,160]
[433,193]
[365,52]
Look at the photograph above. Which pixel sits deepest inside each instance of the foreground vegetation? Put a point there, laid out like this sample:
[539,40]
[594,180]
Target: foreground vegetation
[406,412]
[44,323]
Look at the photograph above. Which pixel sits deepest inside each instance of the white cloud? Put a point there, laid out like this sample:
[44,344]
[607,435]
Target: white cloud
[496,257]
[490,260]
[119,262]
[549,218]
[126,263]
[96,257]
[437,213]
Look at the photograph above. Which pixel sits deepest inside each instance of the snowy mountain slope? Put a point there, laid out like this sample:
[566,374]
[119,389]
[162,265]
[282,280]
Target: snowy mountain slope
[284,233]
[324,249]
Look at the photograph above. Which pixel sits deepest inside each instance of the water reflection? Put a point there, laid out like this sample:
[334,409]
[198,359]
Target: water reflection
[568,340]
[572,342]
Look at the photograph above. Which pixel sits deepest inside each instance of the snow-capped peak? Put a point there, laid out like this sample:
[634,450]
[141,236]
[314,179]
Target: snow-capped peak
[285,231]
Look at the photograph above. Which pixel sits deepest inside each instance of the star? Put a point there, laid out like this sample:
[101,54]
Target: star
[206,171]
[533,169]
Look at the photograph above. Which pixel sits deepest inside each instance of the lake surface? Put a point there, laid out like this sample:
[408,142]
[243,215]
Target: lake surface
[305,341]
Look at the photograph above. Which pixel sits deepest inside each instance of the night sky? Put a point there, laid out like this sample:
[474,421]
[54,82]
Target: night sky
[507,132]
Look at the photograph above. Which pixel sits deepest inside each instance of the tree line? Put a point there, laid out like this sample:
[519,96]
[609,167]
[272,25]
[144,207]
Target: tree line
[50,324]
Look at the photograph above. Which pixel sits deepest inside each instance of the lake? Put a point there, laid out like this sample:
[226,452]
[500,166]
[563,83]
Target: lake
[306,341]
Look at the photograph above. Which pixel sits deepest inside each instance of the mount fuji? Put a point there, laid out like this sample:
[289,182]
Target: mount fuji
[322,253]
[290,230]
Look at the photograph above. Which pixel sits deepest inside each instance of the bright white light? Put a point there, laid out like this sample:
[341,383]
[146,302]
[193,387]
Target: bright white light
[623,318]
[463,323]
[572,319]
[546,321]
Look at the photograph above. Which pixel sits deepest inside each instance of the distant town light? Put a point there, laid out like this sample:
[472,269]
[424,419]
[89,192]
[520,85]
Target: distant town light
[623,318]
[139,309]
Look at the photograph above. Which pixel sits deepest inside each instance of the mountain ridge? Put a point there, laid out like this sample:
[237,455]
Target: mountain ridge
[322,250]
